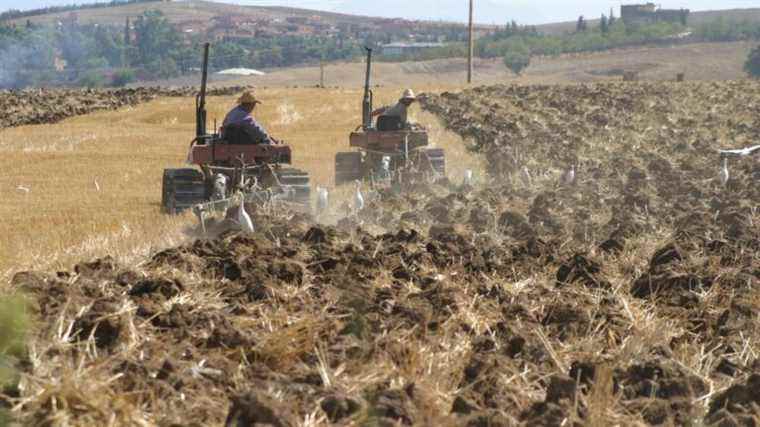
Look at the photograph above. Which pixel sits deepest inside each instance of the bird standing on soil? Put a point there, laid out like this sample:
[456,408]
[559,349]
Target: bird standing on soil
[468,178]
[568,178]
[724,175]
[220,186]
[358,197]
[243,218]
[200,213]
[386,167]
[323,199]
[525,176]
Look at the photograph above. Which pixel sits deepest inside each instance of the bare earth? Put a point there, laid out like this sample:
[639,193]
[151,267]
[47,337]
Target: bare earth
[627,296]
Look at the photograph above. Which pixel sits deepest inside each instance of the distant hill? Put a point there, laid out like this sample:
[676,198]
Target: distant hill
[178,12]
[203,11]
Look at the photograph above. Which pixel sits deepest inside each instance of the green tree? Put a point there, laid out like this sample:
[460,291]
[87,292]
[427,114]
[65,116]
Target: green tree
[123,77]
[229,55]
[752,65]
[92,79]
[155,37]
[517,58]
[604,25]
[75,47]
[109,46]
[581,25]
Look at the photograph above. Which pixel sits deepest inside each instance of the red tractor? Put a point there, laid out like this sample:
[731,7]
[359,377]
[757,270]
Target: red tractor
[388,150]
[230,162]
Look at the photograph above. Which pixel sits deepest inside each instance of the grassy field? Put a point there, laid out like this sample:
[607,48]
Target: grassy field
[94,181]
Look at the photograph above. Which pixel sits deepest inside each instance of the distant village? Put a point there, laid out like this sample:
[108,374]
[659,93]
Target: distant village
[400,36]
[396,36]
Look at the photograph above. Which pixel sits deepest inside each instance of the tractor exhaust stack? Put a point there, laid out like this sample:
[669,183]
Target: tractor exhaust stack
[368,95]
[200,100]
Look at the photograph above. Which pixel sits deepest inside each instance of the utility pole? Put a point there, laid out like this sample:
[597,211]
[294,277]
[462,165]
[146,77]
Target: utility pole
[322,74]
[470,47]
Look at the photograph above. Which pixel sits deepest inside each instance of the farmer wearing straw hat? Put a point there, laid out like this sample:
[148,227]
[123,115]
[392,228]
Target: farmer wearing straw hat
[400,110]
[241,119]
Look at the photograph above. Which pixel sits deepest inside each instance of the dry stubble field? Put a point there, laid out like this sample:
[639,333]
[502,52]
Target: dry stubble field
[94,181]
[627,296]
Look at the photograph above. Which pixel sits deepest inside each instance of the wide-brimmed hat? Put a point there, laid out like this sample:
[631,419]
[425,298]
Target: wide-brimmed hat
[248,98]
[408,94]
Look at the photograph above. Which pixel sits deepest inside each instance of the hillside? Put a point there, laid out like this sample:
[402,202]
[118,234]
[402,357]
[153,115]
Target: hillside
[195,10]
[179,12]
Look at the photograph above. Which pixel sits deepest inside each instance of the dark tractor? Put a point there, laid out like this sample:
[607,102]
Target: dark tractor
[242,163]
[387,150]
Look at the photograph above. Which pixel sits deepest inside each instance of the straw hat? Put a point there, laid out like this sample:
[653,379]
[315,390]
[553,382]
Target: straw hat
[248,98]
[409,94]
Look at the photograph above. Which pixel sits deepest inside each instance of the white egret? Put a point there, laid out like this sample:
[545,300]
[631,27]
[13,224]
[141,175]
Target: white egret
[200,212]
[568,178]
[386,167]
[243,218]
[323,198]
[525,176]
[358,197]
[468,178]
[724,175]
[220,187]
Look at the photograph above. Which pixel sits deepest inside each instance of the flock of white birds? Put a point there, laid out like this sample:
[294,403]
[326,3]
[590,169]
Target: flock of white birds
[567,178]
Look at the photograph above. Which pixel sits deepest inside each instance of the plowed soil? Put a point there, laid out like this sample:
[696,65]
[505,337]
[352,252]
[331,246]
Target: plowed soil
[41,106]
[628,296]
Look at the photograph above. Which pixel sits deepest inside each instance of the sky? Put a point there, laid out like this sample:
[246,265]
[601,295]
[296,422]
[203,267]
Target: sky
[487,11]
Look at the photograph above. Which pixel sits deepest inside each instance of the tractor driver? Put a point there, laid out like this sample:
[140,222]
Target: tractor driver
[400,110]
[241,118]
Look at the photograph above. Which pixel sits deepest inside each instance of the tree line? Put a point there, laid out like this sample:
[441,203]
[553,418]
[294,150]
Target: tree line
[91,55]
[516,44]
[148,47]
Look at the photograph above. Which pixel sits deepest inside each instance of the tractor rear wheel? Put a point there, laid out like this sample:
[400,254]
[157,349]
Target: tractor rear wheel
[298,181]
[348,167]
[182,189]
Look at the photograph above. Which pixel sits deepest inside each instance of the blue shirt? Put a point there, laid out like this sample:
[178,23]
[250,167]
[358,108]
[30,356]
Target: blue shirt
[239,115]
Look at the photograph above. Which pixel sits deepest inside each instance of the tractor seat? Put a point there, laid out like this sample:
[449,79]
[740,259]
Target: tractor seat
[389,123]
[240,134]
